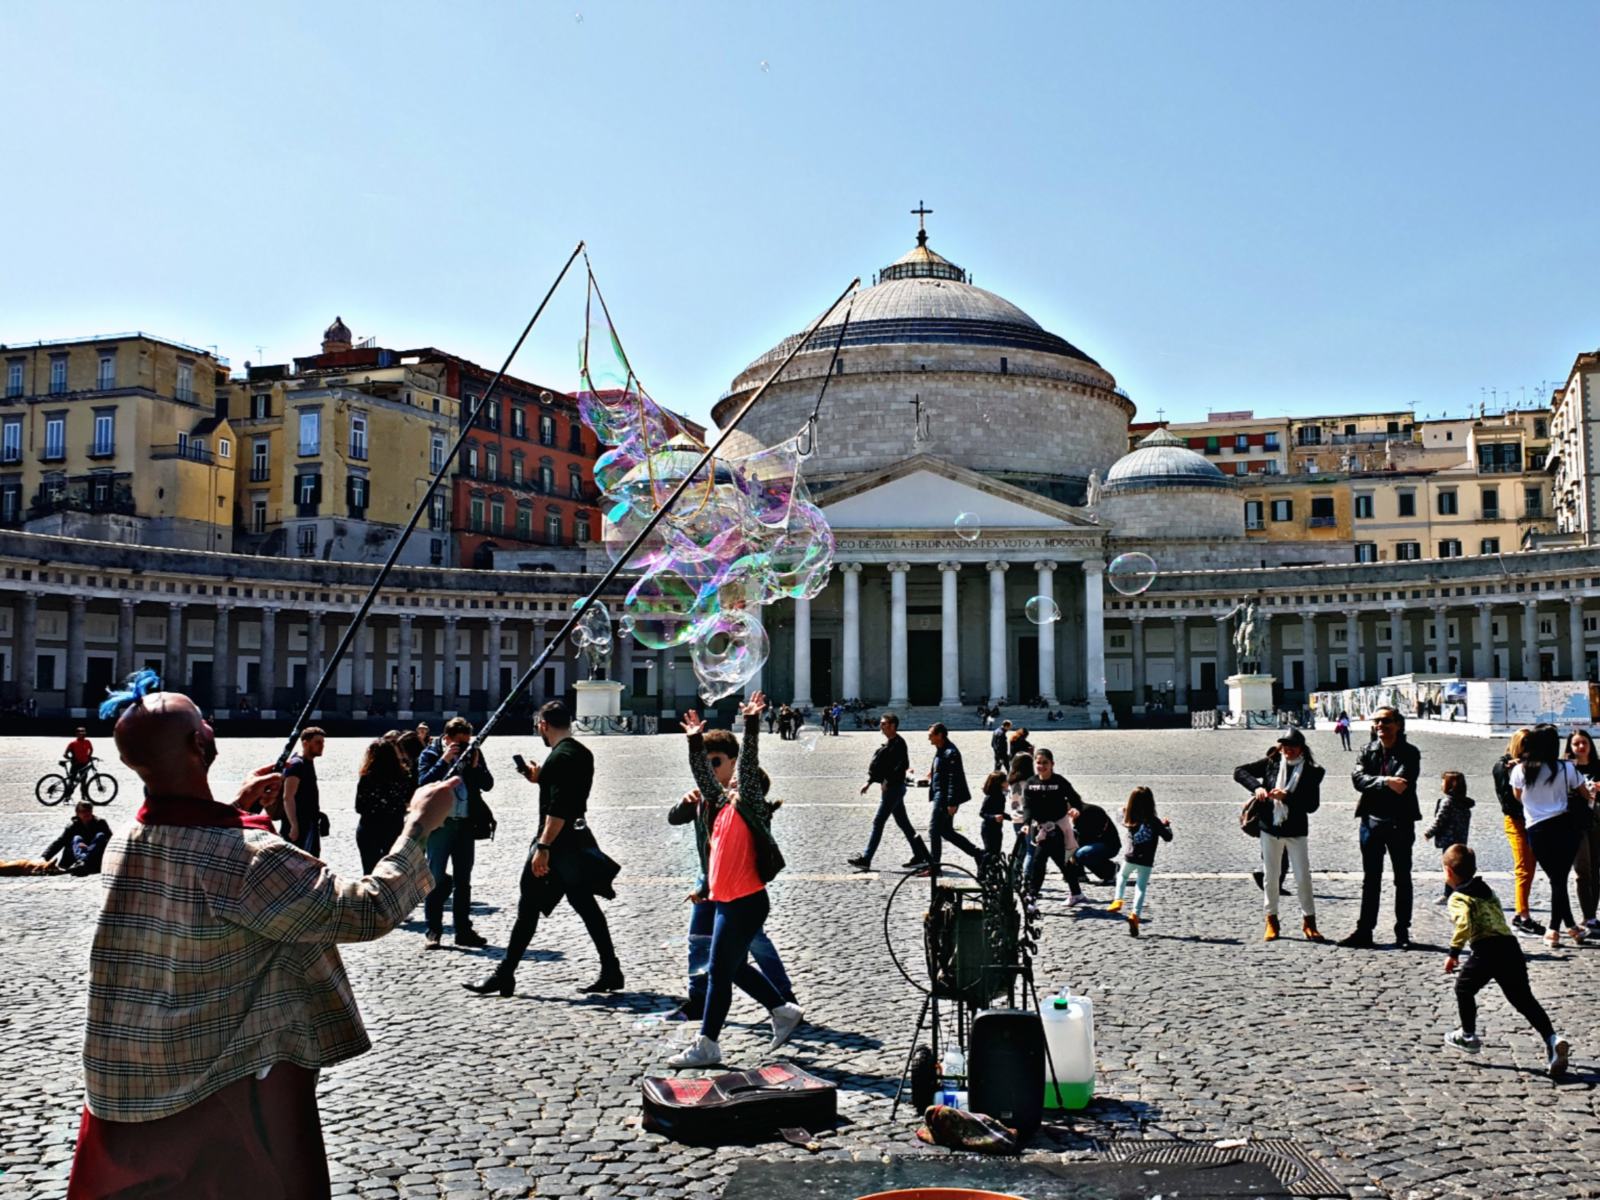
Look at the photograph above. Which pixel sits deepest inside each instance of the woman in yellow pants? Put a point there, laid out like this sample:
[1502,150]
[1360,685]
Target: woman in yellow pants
[1522,864]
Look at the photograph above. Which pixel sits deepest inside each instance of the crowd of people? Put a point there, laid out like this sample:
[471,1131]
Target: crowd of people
[217,939]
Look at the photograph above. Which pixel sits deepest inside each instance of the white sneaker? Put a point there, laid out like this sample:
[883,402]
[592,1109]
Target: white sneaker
[1559,1049]
[702,1052]
[1470,1042]
[785,1020]
[1080,898]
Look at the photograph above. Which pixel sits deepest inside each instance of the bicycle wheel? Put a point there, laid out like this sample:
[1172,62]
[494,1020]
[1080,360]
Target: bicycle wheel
[101,788]
[51,790]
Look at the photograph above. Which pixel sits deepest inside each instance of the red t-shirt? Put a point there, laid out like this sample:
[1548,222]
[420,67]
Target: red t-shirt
[80,750]
[732,873]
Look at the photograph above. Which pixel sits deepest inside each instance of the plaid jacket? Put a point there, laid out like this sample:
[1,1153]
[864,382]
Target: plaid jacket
[214,958]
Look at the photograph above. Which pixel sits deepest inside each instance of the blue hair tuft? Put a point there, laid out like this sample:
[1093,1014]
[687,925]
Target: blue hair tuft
[135,688]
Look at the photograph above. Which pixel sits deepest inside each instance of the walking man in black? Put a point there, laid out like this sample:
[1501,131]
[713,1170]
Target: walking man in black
[947,791]
[564,860]
[1386,777]
[998,743]
[888,768]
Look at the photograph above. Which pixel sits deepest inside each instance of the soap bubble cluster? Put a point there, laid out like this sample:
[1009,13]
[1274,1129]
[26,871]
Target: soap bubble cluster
[744,533]
[1130,574]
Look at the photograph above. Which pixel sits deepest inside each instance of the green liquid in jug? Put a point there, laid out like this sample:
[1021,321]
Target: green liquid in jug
[1069,1095]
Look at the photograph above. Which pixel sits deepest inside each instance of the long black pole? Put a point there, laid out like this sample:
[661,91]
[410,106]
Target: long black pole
[416,515]
[655,519]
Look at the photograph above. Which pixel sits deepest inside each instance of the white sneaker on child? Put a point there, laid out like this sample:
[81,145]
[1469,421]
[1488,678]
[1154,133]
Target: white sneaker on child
[1559,1049]
[785,1020]
[702,1052]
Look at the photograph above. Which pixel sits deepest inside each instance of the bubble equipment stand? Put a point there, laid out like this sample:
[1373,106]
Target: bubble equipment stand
[979,938]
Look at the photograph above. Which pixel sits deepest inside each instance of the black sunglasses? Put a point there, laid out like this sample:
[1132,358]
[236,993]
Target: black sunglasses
[716,760]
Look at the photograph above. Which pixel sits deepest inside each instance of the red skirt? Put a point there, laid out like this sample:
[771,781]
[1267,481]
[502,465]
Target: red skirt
[257,1139]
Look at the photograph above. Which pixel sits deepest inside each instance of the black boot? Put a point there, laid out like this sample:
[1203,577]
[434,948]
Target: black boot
[503,982]
[610,979]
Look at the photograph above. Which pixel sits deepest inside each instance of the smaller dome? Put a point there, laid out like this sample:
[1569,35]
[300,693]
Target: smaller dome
[337,332]
[1162,461]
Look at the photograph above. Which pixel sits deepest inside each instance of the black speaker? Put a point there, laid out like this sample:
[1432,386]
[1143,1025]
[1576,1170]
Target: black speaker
[1005,1069]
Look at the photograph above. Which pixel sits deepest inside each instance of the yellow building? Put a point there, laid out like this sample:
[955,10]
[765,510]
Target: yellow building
[338,450]
[1312,510]
[117,438]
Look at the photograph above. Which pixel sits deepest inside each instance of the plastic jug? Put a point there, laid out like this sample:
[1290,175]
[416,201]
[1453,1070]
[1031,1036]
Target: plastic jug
[1069,1038]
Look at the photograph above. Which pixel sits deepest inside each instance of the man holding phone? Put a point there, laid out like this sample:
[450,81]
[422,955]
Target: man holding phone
[564,860]
[452,845]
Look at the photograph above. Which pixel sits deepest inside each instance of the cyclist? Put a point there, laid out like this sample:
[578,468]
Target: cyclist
[76,758]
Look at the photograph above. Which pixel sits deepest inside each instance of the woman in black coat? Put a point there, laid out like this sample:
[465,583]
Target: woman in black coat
[1286,789]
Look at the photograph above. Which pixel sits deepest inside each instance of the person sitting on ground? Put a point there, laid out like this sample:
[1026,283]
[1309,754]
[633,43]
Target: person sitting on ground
[1098,841]
[1452,818]
[216,993]
[82,844]
[1480,923]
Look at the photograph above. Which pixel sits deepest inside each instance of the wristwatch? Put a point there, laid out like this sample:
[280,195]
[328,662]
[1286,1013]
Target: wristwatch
[541,846]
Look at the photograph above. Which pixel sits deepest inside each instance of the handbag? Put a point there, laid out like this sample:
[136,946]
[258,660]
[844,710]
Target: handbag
[482,818]
[769,859]
[1250,817]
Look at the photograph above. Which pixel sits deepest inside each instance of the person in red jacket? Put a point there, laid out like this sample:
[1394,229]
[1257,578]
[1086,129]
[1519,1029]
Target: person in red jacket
[76,756]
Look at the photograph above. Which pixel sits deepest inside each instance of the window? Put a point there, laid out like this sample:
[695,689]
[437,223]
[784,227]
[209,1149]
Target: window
[436,545]
[105,433]
[1489,546]
[1349,430]
[308,493]
[358,435]
[525,522]
[1449,548]
[310,434]
[1533,502]
[1541,428]
[185,389]
[1252,515]
[1213,445]
[575,435]
[1270,467]
[11,440]
[472,462]
[492,415]
[491,462]
[55,437]
[436,452]
[497,516]
[1322,516]
[547,477]
[197,449]
[1491,504]
[1363,506]
[552,526]
[260,460]
[1283,510]
[1499,458]
[519,422]
[581,528]
[475,512]
[516,468]
[575,483]
[183,444]
[106,377]
[436,511]
[307,540]
[1447,503]
[1241,442]
[357,493]
[258,514]
[261,405]
[10,503]
[1408,504]
[547,430]
[1407,551]
[1270,442]
[1366,552]
[58,374]
[1309,435]
[1392,427]
[224,448]
[1241,468]
[14,377]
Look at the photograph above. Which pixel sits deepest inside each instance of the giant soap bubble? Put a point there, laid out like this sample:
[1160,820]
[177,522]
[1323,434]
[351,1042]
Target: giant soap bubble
[1131,573]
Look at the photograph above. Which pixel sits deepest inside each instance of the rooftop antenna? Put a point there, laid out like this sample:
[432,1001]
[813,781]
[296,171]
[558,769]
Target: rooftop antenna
[261,352]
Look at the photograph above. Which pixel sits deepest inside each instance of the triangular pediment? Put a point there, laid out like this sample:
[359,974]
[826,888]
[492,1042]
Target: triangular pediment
[929,493]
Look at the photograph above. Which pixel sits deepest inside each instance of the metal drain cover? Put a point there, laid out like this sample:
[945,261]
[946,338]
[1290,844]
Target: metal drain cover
[1296,1169]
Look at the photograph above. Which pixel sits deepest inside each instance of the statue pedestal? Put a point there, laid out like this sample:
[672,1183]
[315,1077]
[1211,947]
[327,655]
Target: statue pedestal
[598,698]
[1250,693]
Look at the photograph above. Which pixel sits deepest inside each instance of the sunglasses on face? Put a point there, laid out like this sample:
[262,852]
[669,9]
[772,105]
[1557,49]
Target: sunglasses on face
[716,760]
[1377,721]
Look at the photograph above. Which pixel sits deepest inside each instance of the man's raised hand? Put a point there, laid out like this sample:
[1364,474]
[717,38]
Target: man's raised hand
[432,803]
[259,788]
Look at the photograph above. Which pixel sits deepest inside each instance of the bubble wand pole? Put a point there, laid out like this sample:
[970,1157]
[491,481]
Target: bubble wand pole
[416,515]
[655,519]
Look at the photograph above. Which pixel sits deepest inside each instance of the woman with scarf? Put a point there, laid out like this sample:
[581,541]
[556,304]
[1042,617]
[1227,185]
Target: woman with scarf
[1286,790]
[1586,813]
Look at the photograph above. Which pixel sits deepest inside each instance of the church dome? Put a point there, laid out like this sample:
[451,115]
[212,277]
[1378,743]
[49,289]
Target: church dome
[337,332]
[1162,460]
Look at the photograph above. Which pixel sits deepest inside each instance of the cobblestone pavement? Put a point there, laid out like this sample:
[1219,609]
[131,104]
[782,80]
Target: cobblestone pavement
[1203,1030]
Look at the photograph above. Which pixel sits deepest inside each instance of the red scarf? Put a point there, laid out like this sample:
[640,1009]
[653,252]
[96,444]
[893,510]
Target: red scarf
[194,813]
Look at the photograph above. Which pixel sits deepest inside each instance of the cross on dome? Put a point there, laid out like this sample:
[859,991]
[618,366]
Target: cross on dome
[921,212]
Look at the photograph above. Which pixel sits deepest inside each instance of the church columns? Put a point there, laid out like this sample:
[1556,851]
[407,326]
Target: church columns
[1047,633]
[1224,654]
[899,687]
[1483,644]
[1308,635]
[1180,665]
[361,652]
[802,654]
[491,697]
[1530,639]
[447,689]
[76,659]
[1578,659]
[1352,648]
[222,688]
[1138,663]
[997,631]
[125,617]
[1397,641]
[267,681]
[404,700]
[949,636]
[173,676]
[27,669]
[1094,637]
[1441,638]
[851,573]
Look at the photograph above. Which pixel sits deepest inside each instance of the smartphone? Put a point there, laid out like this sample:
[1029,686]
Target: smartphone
[522,763]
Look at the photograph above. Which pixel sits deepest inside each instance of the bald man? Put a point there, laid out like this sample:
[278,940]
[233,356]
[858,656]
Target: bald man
[215,987]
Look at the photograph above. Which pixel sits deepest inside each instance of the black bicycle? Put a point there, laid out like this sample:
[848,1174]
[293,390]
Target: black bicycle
[97,787]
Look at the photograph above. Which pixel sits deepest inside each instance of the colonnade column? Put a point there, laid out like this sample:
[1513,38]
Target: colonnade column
[125,619]
[1180,665]
[268,700]
[997,631]
[1397,641]
[1352,649]
[1530,639]
[1578,658]
[491,695]
[222,659]
[851,575]
[313,648]
[899,686]
[1483,644]
[949,639]
[405,698]
[1224,655]
[172,672]
[1047,633]
[447,685]
[802,653]
[1441,638]
[1308,638]
[1094,636]
[28,646]
[360,694]
[1138,662]
[75,651]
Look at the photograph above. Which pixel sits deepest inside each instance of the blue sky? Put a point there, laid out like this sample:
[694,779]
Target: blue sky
[1280,207]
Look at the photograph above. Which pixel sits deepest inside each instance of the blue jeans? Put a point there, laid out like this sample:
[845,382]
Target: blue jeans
[733,928]
[451,844]
[1097,857]
[893,804]
[1381,839]
[702,923]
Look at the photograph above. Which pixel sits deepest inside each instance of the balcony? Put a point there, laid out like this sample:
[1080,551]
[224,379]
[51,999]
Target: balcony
[310,449]
[1255,526]
[85,494]
[102,450]
[1324,522]
[1499,468]
[260,474]
[56,453]
[187,450]
[1363,439]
